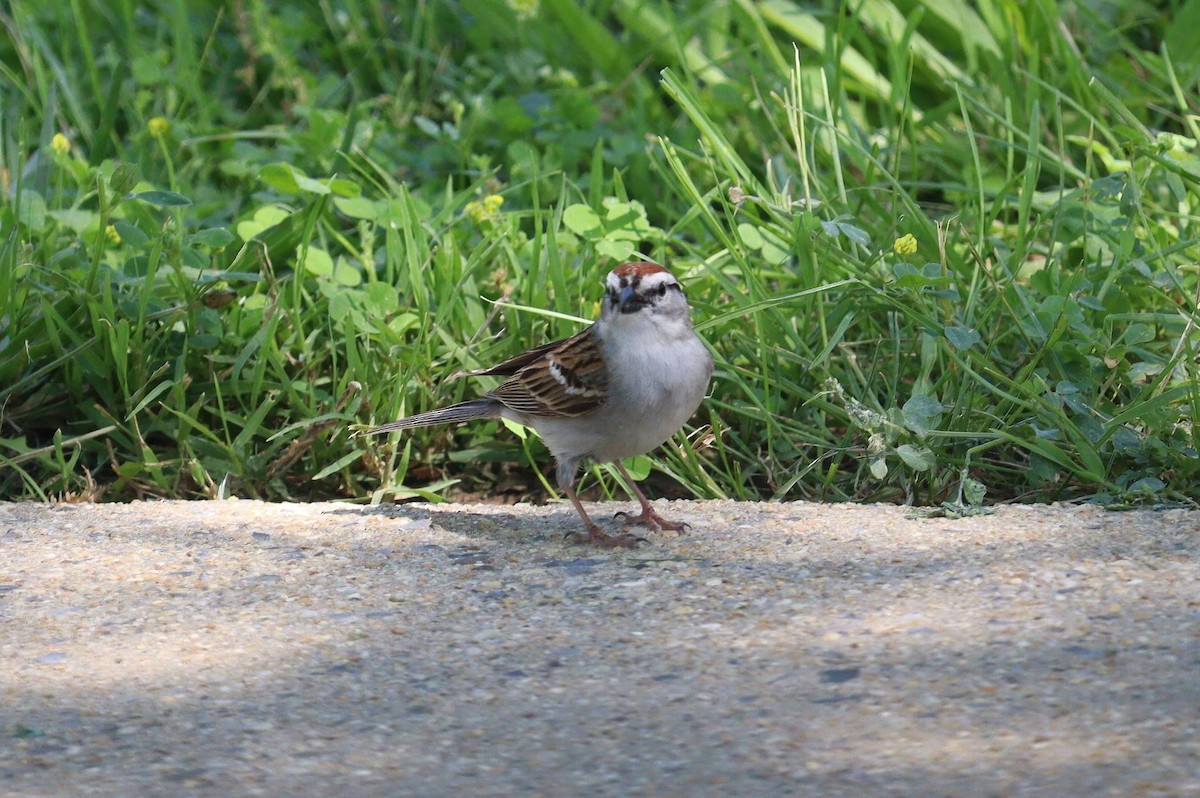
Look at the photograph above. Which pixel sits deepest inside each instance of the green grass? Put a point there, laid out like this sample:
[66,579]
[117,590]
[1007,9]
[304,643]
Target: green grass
[273,221]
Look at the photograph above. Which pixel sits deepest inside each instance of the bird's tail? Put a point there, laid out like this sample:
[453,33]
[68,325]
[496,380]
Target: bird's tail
[463,411]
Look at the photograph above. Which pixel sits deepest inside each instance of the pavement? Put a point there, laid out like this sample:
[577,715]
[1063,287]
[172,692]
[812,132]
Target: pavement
[243,648]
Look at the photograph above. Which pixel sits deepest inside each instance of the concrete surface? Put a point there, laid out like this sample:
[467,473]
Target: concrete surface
[242,648]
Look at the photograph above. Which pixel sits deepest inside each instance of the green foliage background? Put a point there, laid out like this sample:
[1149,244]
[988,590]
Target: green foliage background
[940,249]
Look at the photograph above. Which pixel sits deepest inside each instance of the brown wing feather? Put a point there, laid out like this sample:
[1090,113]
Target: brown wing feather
[568,379]
[515,364]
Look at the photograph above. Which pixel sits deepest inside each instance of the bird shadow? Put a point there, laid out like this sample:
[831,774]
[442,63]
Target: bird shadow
[490,525]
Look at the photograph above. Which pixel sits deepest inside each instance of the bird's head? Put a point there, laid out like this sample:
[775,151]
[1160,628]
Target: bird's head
[643,289]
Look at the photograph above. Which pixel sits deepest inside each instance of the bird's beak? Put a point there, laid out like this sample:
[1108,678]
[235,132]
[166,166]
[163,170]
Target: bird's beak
[627,299]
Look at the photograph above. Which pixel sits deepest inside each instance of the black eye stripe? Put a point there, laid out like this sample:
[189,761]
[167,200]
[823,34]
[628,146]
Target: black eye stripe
[650,292]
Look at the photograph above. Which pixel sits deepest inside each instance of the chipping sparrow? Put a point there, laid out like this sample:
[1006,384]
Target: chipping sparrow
[618,389]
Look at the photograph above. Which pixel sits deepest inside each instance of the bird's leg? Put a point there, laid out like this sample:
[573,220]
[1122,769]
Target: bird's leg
[648,518]
[595,535]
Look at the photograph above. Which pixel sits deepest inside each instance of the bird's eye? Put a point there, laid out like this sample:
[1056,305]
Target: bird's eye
[662,290]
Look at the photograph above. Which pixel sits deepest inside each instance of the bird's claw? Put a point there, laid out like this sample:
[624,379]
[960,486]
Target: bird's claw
[598,537]
[652,521]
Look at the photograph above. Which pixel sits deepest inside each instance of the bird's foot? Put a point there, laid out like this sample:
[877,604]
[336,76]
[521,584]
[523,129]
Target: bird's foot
[596,536]
[652,520]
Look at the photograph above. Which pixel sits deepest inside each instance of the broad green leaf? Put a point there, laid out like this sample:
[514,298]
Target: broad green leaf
[615,249]
[381,298]
[287,179]
[31,210]
[346,274]
[357,207]
[638,467]
[264,218]
[131,235]
[580,219]
[962,337]
[879,468]
[316,261]
[922,414]
[341,304]
[77,219]
[212,237]
[403,322]
[918,458]
[1138,333]
[750,236]
[520,430]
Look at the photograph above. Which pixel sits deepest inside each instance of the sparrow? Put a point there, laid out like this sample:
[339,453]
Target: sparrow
[617,389]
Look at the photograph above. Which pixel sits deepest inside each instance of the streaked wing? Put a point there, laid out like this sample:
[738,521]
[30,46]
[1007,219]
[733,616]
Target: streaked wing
[569,380]
[515,364]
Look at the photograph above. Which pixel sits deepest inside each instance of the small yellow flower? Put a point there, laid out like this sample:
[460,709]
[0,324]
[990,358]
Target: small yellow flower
[112,235]
[60,144]
[474,209]
[905,245]
[485,208]
[525,9]
[158,127]
[560,77]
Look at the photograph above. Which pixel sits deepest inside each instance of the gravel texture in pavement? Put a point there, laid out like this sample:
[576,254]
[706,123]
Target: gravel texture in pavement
[243,648]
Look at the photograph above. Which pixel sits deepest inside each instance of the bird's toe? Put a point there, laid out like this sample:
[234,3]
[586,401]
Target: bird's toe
[653,521]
